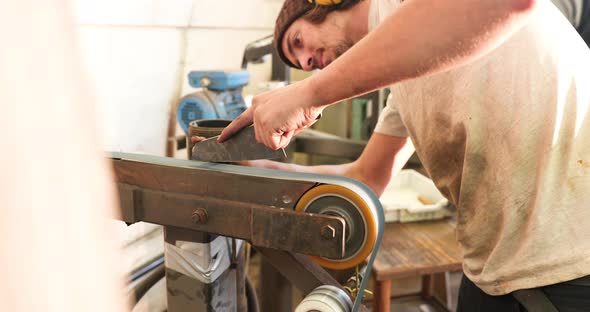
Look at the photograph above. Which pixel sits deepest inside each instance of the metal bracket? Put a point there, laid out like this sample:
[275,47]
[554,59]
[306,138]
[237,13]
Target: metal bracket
[277,228]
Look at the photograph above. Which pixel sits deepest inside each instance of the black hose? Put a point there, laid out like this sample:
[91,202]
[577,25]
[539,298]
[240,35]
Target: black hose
[146,269]
[584,28]
[251,298]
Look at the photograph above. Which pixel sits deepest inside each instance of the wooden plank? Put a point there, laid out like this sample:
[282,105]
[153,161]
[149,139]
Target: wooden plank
[414,249]
[427,285]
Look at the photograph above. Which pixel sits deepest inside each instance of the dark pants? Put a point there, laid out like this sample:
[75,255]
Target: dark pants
[584,28]
[571,296]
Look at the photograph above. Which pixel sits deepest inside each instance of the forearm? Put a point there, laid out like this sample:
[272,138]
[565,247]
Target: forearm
[338,170]
[383,157]
[422,37]
[352,170]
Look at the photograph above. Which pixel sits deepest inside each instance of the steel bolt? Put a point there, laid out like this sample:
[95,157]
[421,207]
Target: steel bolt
[205,82]
[286,199]
[199,216]
[328,232]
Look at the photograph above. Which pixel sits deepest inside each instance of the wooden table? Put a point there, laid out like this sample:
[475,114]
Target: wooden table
[414,249]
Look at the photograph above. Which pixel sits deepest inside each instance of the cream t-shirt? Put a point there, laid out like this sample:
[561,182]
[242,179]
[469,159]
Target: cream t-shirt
[506,138]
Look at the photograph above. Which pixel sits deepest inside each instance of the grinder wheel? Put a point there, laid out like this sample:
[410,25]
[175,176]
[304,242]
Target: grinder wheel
[361,222]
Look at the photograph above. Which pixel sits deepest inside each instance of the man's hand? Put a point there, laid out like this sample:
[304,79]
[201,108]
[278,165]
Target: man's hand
[277,115]
[197,139]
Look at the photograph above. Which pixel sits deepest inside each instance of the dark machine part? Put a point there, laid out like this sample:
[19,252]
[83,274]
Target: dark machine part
[257,50]
[207,128]
[251,297]
[240,147]
[338,206]
[143,279]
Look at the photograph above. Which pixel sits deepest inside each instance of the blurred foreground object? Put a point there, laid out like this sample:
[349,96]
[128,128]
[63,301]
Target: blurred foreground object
[56,192]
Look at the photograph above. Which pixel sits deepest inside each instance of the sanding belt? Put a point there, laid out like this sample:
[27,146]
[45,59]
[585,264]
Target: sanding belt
[536,300]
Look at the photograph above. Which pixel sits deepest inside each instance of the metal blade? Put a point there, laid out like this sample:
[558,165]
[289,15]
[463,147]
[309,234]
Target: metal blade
[240,147]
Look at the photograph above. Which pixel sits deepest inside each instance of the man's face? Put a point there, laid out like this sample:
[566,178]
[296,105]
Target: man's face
[314,46]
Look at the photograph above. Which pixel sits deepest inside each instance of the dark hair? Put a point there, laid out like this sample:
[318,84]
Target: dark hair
[319,13]
[292,10]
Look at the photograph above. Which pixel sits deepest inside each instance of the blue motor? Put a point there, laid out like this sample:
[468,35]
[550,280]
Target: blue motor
[220,97]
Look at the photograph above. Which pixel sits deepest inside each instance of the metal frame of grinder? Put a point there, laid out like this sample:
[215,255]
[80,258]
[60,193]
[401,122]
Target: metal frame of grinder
[238,202]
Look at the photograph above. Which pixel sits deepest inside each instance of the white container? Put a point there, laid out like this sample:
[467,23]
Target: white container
[411,196]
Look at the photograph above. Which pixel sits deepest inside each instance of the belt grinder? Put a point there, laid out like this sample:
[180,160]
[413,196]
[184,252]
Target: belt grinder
[335,220]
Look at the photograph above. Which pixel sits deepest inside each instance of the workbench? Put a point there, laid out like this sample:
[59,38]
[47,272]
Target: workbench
[418,249]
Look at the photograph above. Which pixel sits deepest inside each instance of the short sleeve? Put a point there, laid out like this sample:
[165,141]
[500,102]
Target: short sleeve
[390,121]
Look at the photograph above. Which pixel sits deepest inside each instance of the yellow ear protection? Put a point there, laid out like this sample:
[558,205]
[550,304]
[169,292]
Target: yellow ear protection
[325,2]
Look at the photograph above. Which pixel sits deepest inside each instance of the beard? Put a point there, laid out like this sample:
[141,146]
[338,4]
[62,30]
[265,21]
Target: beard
[342,47]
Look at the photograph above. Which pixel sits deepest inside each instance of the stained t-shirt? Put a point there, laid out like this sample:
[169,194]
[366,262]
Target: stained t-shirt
[506,138]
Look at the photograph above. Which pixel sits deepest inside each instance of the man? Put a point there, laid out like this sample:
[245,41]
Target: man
[494,96]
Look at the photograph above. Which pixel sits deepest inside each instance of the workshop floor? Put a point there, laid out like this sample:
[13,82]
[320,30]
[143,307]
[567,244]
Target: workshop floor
[415,304]
[405,304]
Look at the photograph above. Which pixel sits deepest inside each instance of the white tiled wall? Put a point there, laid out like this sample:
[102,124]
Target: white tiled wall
[134,12]
[137,54]
[235,13]
[135,74]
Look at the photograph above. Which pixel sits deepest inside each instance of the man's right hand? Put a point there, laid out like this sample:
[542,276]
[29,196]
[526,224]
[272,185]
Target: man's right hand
[277,115]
